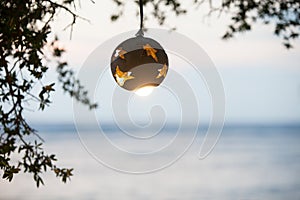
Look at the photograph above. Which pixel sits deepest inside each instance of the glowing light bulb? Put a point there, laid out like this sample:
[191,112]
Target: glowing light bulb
[144,91]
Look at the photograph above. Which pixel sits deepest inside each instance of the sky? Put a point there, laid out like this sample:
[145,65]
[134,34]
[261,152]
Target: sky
[260,77]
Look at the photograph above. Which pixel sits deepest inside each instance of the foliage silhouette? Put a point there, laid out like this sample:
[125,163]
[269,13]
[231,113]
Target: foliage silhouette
[284,15]
[25,57]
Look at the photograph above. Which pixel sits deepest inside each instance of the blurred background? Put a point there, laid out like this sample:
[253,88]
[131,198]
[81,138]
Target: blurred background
[258,154]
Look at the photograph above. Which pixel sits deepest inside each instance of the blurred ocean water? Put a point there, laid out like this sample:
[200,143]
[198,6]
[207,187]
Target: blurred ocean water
[247,163]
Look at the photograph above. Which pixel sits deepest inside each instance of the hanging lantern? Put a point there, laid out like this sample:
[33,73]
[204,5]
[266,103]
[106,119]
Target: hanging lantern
[139,62]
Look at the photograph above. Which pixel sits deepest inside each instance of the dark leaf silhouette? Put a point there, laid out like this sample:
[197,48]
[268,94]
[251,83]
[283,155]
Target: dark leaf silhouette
[24,61]
[284,15]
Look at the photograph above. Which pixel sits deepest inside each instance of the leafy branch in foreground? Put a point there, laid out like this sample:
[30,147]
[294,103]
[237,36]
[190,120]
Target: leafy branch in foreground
[25,26]
[284,15]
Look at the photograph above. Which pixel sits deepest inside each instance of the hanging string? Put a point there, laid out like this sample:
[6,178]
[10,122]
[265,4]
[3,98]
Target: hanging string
[141,14]
[140,32]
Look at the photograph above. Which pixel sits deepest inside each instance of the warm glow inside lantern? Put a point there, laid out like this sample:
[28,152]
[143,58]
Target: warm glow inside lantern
[139,63]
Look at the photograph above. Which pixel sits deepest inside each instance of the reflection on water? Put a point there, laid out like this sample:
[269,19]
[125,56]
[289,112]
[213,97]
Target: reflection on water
[247,163]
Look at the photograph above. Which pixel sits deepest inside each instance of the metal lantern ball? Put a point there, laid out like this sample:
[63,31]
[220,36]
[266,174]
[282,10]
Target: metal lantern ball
[139,62]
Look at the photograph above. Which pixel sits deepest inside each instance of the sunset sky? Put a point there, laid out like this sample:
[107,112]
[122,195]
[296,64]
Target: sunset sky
[260,77]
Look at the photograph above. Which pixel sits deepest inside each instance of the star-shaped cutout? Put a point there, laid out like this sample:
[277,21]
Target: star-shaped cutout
[150,51]
[122,77]
[162,71]
[120,52]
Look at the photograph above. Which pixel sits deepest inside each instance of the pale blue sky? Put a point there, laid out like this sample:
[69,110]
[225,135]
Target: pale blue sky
[261,77]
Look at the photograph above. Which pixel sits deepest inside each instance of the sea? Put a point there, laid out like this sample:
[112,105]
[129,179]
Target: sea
[249,162]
